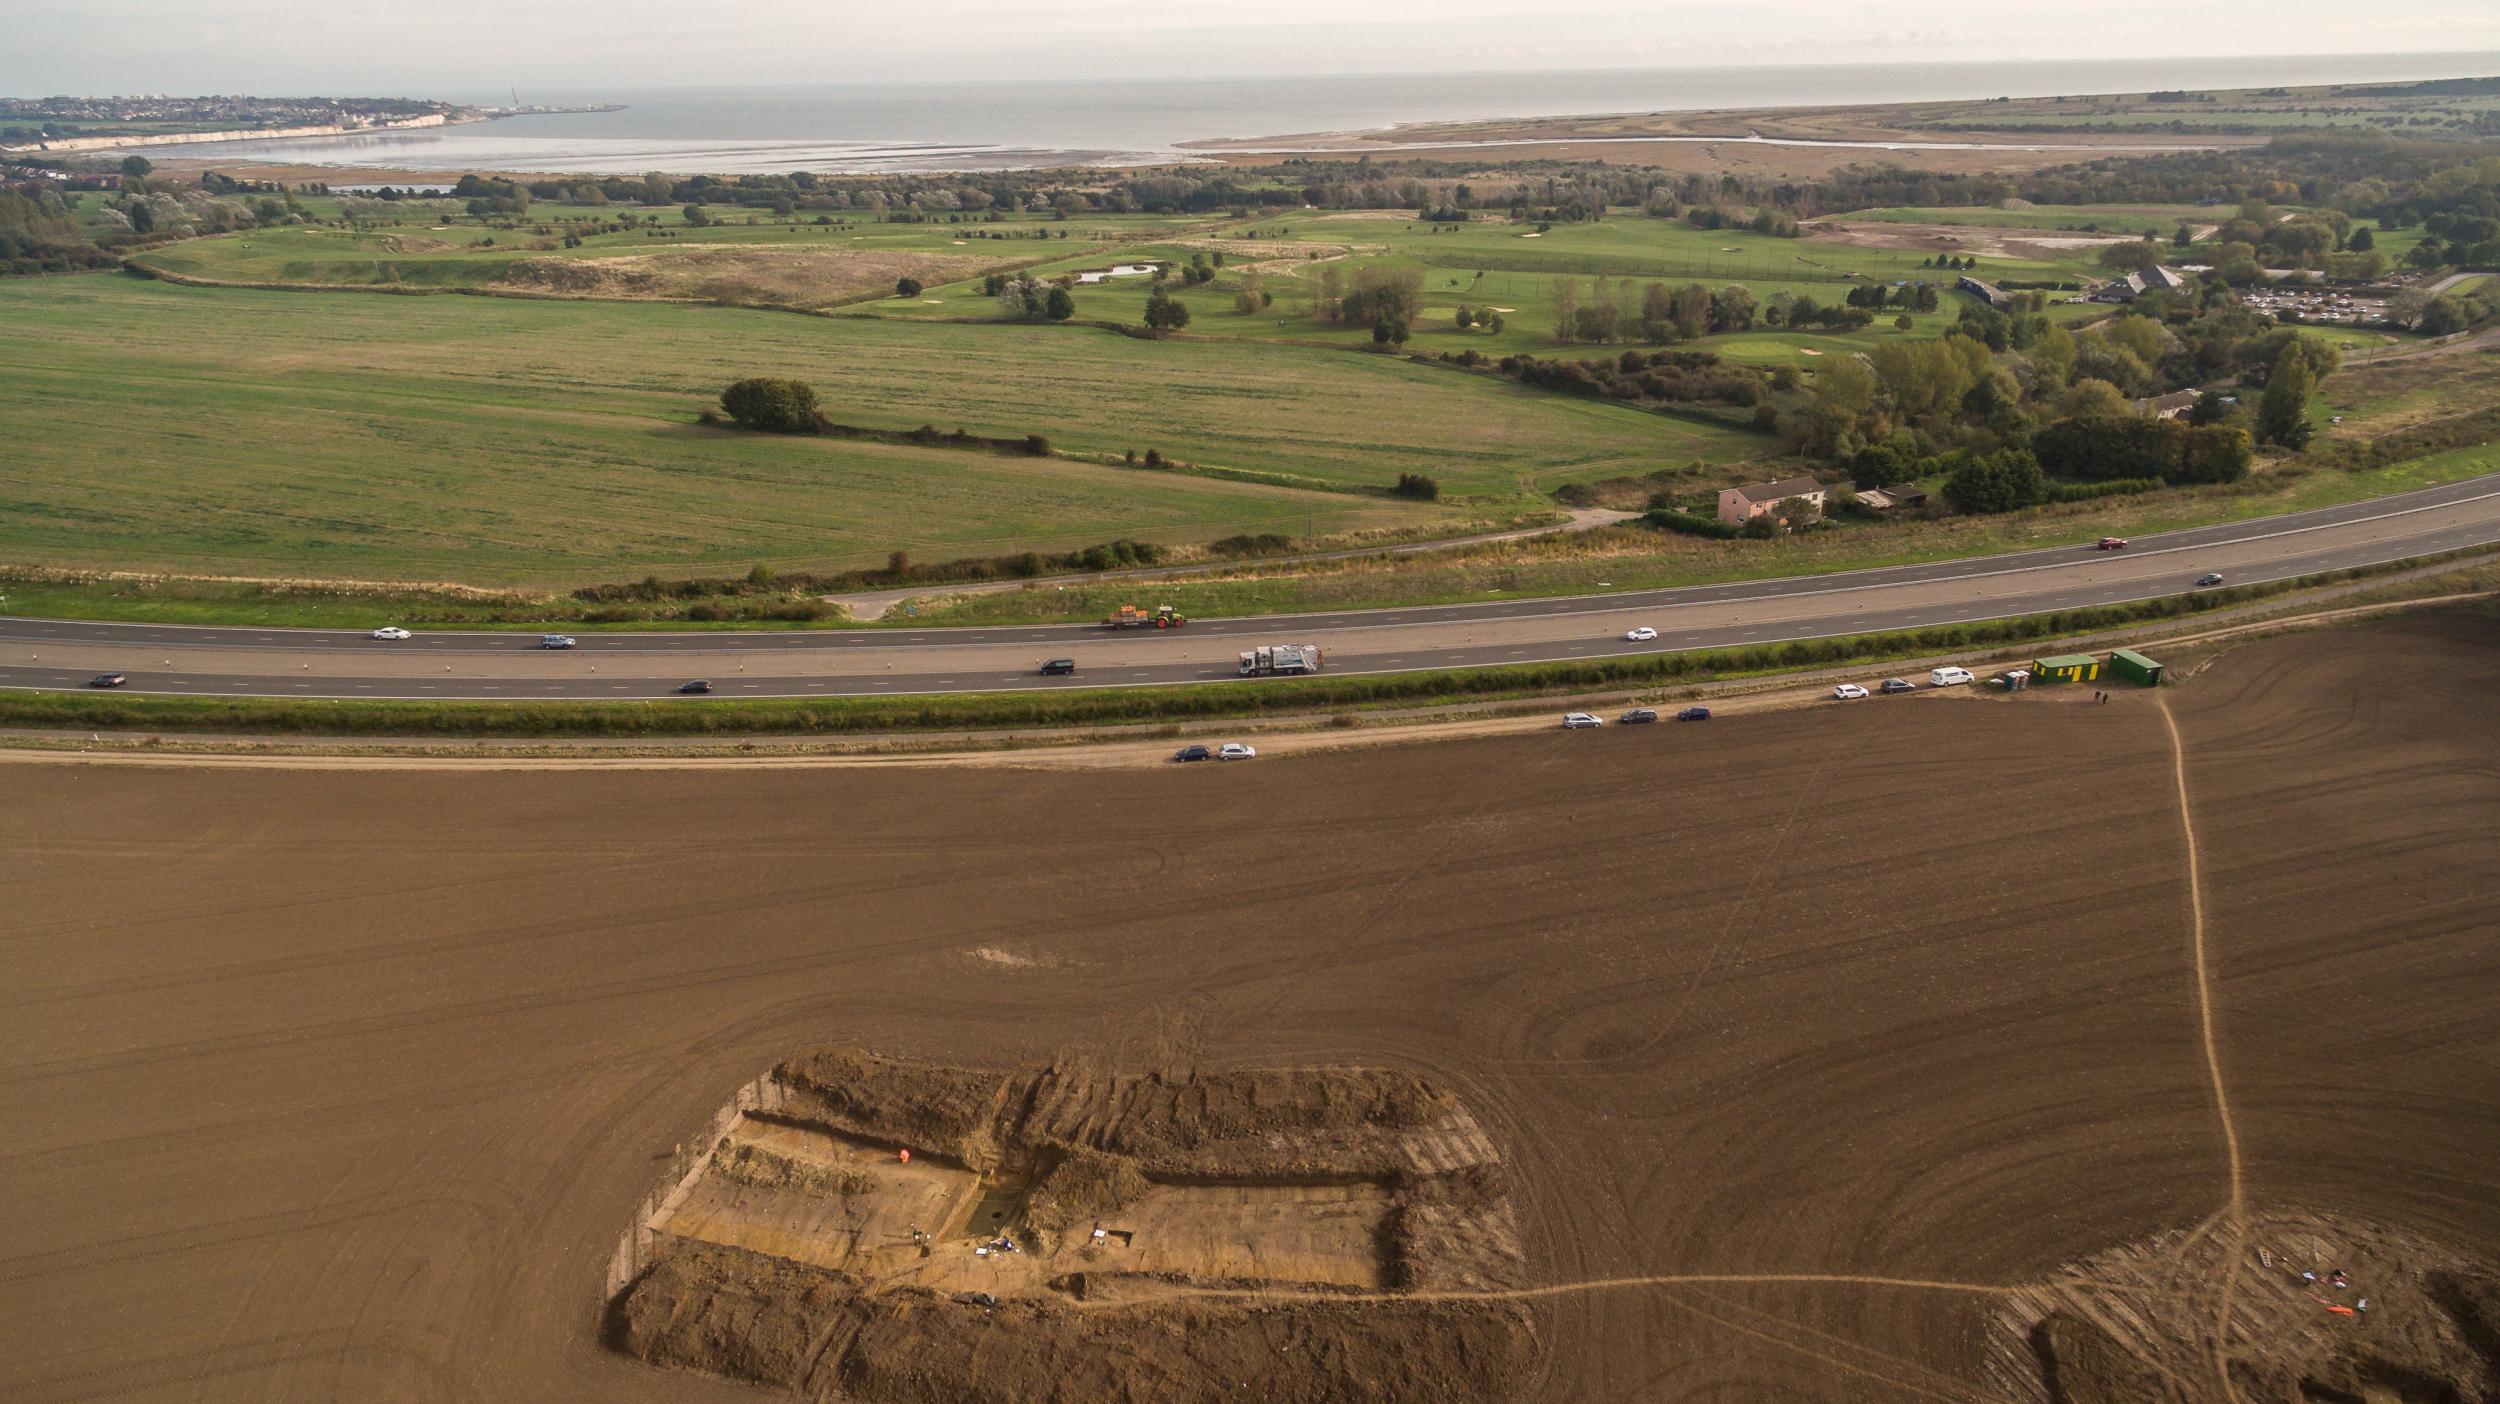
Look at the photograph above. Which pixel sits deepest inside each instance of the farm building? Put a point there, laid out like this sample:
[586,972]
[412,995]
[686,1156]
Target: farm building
[1739,505]
[1889,499]
[2170,406]
[2066,668]
[2135,285]
[2135,667]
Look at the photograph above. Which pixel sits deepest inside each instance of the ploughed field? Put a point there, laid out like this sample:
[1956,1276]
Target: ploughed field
[1844,1054]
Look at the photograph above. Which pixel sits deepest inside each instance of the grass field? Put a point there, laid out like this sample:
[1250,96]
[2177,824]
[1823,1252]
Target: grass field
[506,441]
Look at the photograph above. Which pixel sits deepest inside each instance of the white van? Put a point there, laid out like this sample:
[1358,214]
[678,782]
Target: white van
[1947,677]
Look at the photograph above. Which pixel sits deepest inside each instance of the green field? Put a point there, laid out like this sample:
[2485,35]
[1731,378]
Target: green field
[491,440]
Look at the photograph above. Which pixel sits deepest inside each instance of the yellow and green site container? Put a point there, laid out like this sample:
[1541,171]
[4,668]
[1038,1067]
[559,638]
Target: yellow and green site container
[2066,668]
[2135,667]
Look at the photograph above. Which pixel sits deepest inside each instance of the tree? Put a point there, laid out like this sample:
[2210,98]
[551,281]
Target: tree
[907,287]
[1999,482]
[1419,487]
[1796,512]
[1903,322]
[774,405]
[1732,308]
[1165,312]
[2441,315]
[694,215]
[1059,306]
[2362,240]
[2283,413]
[137,167]
[1566,308]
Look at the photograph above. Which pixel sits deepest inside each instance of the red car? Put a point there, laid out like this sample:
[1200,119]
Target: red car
[2113,543]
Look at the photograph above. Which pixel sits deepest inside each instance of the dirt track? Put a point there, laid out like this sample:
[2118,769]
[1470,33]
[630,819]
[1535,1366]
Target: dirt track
[336,1084]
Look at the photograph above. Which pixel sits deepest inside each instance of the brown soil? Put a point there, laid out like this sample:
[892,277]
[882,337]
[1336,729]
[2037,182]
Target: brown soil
[1094,1227]
[776,1323]
[2164,1318]
[793,277]
[1807,1036]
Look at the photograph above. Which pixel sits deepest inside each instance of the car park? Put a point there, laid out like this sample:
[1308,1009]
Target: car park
[555,641]
[1643,634]
[2203,581]
[1693,714]
[1948,677]
[1638,716]
[1235,750]
[108,680]
[1893,685]
[1581,721]
[1059,668]
[2112,543]
[1193,753]
[1848,692]
[698,685]
[393,633]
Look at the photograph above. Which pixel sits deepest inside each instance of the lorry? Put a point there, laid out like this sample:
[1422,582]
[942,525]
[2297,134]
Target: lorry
[1132,617]
[1279,660]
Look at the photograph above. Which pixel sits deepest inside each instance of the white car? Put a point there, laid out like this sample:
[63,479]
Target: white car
[1643,634]
[1581,721]
[1234,750]
[392,632]
[1848,692]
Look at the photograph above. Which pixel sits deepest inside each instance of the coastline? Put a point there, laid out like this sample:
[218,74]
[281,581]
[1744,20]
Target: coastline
[85,145]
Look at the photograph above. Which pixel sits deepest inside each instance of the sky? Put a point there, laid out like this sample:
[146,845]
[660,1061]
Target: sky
[460,48]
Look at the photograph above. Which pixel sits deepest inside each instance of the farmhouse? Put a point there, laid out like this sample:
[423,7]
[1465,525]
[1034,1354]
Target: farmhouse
[2135,285]
[1739,505]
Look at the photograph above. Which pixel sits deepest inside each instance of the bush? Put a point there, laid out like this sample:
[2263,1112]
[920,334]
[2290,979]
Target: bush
[1419,487]
[2115,487]
[1668,519]
[773,405]
[907,287]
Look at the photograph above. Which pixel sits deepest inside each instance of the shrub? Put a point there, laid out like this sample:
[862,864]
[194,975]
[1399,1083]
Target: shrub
[773,405]
[907,287]
[1668,519]
[1419,487]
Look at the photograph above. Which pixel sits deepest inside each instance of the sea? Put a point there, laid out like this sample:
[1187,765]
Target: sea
[894,127]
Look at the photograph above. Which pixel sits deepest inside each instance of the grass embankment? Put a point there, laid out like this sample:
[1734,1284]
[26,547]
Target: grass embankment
[494,442]
[1105,707]
[1633,558]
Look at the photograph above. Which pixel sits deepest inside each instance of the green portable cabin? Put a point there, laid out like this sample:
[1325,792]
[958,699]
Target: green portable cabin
[2066,668]
[2135,667]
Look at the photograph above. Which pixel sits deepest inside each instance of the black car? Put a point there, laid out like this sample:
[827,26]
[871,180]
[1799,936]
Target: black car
[1693,714]
[1898,685]
[1193,753]
[698,685]
[1637,716]
[108,680]
[1058,667]
[2205,580]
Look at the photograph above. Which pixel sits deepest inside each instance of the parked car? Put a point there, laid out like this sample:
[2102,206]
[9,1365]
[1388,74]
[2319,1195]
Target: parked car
[1235,750]
[1893,685]
[698,685]
[1948,677]
[555,641]
[108,680]
[392,632]
[1848,692]
[1058,667]
[1693,714]
[1638,716]
[1581,721]
[2205,580]
[2113,543]
[1193,753]
[1643,634]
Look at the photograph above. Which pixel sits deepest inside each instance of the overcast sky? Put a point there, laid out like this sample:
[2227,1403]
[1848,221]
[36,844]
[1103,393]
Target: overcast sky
[426,47]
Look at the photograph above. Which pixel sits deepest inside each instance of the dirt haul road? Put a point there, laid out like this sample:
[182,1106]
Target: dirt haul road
[340,1084]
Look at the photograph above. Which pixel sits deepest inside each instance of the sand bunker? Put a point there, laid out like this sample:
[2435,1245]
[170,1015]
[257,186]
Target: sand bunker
[751,275]
[862,1227]
[2405,1323]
